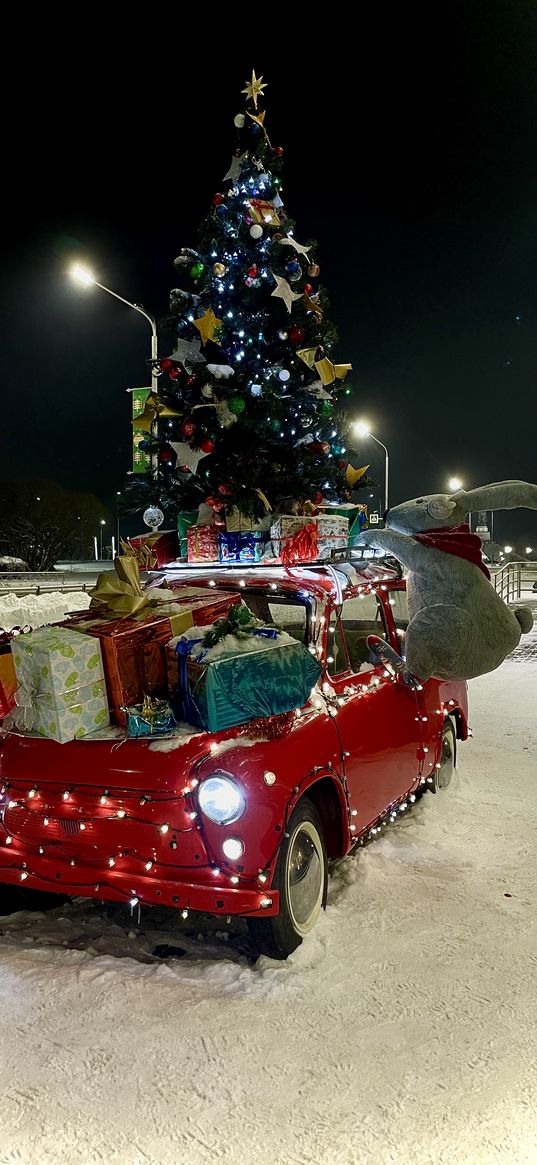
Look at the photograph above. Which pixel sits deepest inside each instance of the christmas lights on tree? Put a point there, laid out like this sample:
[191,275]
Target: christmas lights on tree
[248,412]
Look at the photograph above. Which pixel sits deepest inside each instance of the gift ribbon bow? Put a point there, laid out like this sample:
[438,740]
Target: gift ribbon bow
[328,372]
[154,408]
[302,546]
[144,555]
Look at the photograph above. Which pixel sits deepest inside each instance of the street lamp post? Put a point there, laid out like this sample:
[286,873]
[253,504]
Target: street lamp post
[362,430]
[118,495]
[103,523]
[85,277]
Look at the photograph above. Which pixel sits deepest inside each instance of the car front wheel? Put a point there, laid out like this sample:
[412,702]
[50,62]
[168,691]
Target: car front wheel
[301,878]
[448,755]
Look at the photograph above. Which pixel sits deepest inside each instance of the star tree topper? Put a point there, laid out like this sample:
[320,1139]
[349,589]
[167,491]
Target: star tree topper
[283,291]
[209,327]
[254,88]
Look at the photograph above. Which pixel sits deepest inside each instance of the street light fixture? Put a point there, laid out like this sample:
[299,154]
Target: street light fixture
[529,550]
[362,429]
[508,549]
[103,523]
[454,484]
[86,277]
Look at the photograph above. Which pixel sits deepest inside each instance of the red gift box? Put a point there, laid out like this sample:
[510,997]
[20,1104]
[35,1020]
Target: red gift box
[203,544]
[206,605]
[163,550]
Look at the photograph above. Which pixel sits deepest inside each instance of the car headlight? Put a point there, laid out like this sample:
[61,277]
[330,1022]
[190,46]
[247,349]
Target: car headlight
[221,799]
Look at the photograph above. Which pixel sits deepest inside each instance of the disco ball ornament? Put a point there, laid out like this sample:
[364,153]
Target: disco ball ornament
[153,517]
[284,374]
[239,120]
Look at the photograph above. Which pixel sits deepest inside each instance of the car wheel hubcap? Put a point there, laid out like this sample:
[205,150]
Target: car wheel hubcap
[447,762]
[305,877]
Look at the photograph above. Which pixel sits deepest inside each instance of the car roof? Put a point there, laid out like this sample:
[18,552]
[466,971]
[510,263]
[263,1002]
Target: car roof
[336,581]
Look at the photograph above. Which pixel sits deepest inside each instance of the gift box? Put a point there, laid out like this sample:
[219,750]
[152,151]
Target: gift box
[8,680]
[202,542]
[133,654]
[256,678]
[205,604]
[185,520]
[61,692]
[153,551]
[297,538]
[150,719]
[242,546]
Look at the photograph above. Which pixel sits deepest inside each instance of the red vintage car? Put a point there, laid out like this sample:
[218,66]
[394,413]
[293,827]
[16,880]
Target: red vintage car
[244,822]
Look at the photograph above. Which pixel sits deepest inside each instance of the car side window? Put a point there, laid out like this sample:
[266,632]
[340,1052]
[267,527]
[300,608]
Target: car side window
[360,617]
[336,654]
[399,606]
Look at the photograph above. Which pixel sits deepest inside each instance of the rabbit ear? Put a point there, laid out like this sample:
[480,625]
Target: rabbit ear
[501,495]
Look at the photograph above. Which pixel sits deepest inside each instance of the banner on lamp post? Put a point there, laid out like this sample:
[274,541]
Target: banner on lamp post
[141,461]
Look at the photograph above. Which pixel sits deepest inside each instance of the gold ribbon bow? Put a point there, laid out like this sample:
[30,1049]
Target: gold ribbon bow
[328,372]
[120,593]
[154,408]
[144,555]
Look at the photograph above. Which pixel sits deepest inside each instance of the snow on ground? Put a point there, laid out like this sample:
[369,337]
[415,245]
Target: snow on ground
[37,610]
[403,1032]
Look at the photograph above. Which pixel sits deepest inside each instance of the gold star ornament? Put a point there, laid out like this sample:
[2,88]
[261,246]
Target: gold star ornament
[254,88]
[209,327]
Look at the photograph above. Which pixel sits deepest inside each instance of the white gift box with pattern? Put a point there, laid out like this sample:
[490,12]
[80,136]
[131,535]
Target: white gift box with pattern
[332,532]
[61,689]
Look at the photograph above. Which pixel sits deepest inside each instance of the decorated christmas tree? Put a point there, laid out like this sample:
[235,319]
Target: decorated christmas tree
[248,413]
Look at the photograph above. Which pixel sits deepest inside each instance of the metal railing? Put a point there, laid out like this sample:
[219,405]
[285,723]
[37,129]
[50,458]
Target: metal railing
[514,579]
[40,582]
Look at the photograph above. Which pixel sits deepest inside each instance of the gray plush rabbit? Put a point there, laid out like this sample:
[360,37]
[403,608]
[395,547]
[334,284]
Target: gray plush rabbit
[459,627]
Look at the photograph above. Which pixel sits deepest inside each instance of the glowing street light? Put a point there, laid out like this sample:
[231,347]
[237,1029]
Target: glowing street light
[84,276]
[103,523]
[455,484]
[362,429]
[508,549]
[529,550]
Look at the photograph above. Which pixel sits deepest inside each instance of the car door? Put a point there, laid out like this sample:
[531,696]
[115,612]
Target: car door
[377,715]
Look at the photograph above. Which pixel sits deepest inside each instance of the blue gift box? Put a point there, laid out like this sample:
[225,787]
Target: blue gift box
[242,546]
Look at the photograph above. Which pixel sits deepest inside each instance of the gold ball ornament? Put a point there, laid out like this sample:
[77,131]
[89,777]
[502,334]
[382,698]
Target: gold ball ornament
[219,269]
[314,270]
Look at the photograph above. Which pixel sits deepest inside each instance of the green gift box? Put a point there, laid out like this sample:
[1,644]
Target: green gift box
[239,686]
[185,520]
[61,692]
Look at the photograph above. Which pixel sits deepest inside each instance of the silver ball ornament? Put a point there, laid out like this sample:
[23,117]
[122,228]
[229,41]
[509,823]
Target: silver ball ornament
[256,231]
[239,120]
[153,517]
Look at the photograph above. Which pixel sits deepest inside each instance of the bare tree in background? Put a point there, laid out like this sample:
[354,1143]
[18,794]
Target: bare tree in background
[40,522]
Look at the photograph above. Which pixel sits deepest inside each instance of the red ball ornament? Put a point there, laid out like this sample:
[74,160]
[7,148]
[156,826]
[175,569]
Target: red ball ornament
[174,373]
[166,453]
[188,428]
[317,498]
[166,364]
[190,381]
[252,272]
[218,199]
[315,447]
[296,334]
[207,446]
[210,501]
[308,289]
[279,151]
[225,490]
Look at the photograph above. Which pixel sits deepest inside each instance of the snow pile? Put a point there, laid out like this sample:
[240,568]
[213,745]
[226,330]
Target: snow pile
[402,1032]
[38,610]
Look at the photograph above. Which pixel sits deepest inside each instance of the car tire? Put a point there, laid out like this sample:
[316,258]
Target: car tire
[301,877]
[448,758]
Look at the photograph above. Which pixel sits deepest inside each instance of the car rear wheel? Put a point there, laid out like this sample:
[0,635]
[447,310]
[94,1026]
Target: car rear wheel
[301,878]
[443,775]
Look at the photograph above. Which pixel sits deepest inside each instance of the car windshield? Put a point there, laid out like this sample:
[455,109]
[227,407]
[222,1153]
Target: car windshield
[290,614]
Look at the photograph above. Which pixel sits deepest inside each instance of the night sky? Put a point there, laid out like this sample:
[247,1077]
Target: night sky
[410,154]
